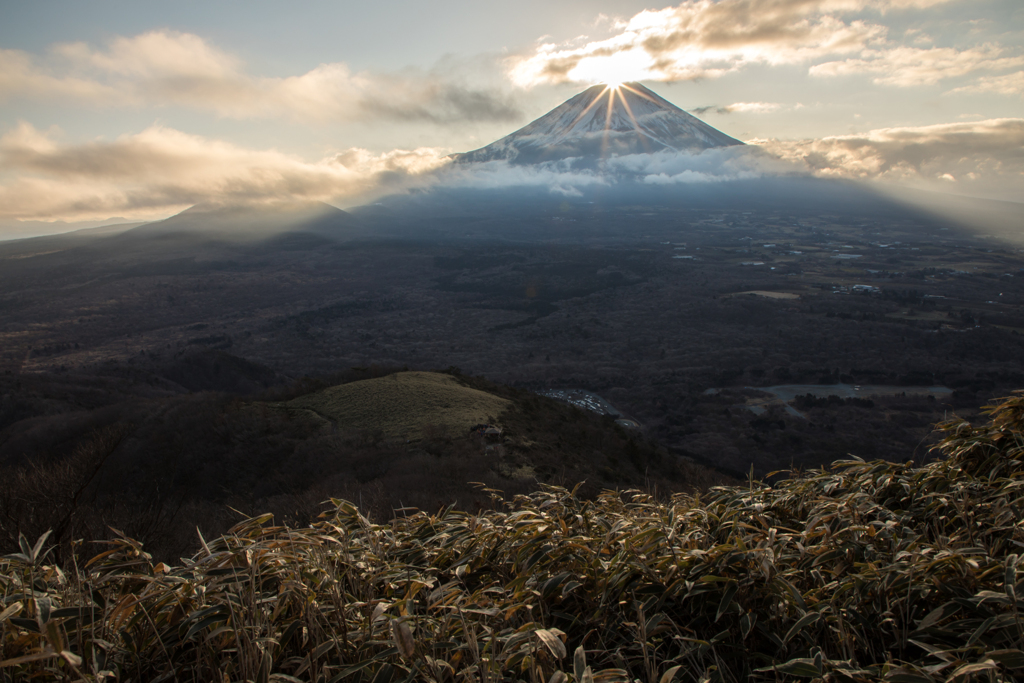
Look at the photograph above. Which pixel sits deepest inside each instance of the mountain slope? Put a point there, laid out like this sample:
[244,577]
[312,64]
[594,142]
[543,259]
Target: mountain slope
[251,221]
[601,122]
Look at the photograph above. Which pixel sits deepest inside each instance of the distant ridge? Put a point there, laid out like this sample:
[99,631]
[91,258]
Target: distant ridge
[600,122]
[250,220]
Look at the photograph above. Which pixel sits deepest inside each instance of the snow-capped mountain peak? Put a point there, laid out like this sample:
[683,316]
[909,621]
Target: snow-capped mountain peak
[603,121]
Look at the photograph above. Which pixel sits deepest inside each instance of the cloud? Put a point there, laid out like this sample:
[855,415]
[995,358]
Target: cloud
[1008,84]
[162,170]
[161,68]
[741,107]
[567,177]
[980,157]
[709,38]
[20,75]
[915,66]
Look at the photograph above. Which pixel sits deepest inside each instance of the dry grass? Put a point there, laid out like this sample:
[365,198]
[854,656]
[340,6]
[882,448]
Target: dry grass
[865,572]
[399,405]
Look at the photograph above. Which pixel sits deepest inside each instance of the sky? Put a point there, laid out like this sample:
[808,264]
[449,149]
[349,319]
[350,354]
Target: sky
[137,110]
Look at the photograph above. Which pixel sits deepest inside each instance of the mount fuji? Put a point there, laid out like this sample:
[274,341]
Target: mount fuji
[600,122]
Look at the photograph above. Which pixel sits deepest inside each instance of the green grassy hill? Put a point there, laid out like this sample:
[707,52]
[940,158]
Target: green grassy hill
[867,571]
[400,405]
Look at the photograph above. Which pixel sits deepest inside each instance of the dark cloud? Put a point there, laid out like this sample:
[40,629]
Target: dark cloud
[701,111]
[744,107]
[446,104]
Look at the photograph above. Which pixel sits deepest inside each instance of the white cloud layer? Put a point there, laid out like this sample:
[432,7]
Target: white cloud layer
[161,68]
[1008,84]
[985,158]
[905,66]
[566,177]
[160,170]
[710,38]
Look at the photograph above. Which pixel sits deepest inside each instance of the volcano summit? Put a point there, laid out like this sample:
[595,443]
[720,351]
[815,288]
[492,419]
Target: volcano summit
[600,122]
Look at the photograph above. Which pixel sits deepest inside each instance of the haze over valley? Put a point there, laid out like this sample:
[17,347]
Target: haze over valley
[650,306]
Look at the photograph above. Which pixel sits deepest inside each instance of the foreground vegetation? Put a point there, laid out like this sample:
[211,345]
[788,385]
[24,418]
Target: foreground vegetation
[865,571]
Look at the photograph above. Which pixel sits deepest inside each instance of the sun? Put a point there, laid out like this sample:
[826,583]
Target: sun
[610,70]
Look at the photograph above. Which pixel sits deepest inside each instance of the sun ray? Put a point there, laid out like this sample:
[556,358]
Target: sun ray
[583,113]
[607,119]
[632,118]
[629,110]
[637,92]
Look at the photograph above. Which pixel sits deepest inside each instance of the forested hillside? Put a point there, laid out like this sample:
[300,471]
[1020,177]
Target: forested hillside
[159,467]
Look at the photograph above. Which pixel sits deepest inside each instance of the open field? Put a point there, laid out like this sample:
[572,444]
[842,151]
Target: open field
[401,405]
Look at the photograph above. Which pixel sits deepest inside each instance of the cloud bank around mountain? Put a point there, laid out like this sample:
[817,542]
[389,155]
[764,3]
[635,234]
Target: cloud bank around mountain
[983,158]
[160,170]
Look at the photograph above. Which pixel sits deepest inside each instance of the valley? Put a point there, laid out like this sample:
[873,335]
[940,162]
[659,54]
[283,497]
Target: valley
[608,307]
[634,328]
